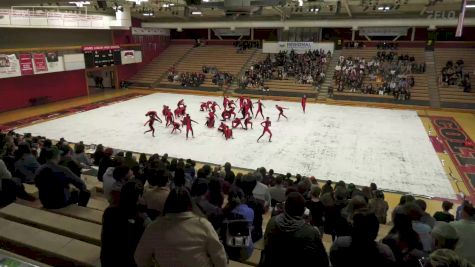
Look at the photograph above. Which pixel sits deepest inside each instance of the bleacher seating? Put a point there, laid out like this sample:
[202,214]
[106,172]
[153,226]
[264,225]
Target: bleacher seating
[223,57]
[160,65]
[454,93]
[418,92]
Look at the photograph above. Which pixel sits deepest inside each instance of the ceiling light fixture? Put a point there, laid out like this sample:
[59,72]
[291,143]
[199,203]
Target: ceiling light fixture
[80,3]
[196,13]
[470,6]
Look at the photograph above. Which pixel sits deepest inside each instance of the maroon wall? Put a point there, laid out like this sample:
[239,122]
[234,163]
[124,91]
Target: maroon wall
[16,92]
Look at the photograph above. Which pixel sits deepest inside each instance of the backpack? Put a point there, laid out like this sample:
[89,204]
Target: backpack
[237,231]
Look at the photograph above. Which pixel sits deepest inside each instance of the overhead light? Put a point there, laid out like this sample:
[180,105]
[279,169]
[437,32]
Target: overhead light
[138,2]
[387,8]
[171,4]
[148,14]
[196,13]
[381,8]
[470,6]
[80,3]
[300,2]
[206,1]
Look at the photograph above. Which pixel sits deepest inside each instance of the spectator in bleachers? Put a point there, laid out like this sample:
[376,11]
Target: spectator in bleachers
[25,163]
[53,180]
[68,161]
[98,155]
[466,230]
[130,161]
[290,241]
[360,248]
[237,226]
[445,215]
[121,174]
[447,257]
[230,176]
[379,206]
[156,195]
[46,144]
[317,210]
[80,156]
[108,177]
[402,201]
[426,218]
[277,192]
[201,205]
[247,184]
[180,238]
[261,191]
[414,211]
[122,227]
[106,162]
[444,236]
[215,192]
[404,241]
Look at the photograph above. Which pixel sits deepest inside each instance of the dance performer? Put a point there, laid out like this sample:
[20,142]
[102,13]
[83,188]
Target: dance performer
[225,101]
[236,122]
[152,117]
[176,126]
[304,102]
[187,122]
[231,104]
[169,118]
[259,108]
[250,105]
[210,119]
[281,111]
[165,109]
[222,127]
[204,106]
[241,100]
[248,121]
[180,111]
[226,115]
[180,103]
[228,133]
[213,106]
[266,124]
[244,110]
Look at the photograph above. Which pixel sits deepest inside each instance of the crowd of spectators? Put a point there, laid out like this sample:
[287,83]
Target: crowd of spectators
[306,68]
[186,79]
[241,46]
[219,78]
[166,211]
[385,74]
[453,74]
[387,46]
[354,44]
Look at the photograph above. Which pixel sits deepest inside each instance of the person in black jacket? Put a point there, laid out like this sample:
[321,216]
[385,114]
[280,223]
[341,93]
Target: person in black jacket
[105,163]
[290,241]
[122,228]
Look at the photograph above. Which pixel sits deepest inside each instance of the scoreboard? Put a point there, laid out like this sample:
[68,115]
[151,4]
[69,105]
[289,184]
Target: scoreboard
[101,56]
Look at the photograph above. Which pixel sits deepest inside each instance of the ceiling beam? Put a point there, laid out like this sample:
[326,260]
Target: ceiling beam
[347,7]
[344,23]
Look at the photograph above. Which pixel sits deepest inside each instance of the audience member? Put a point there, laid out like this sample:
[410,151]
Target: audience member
[426,218]
[53,180]
[447,258]
[288,234]
[122,227]
[98,155]
[261,191]
[466,230]
[202,206]
[121,174]
[361,249]
[106,162]
[316,208]
[445,215]
[445,236]
[156,195]
[26,164]
[277,192]
[180,238]
[379,206]
[247,184]
[415,213]
[80,156]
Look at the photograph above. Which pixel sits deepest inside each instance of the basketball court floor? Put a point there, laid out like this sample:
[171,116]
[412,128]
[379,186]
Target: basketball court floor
[391,147]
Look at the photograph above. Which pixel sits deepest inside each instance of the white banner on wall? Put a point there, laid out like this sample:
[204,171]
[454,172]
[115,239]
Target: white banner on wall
[74,61]
[383,31]
[298,47]
[52,19]
[150,31]
[9,66]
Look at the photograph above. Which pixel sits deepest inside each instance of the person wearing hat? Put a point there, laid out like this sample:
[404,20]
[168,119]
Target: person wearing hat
[53,180]
[444,236]
[466,231]
[290,241]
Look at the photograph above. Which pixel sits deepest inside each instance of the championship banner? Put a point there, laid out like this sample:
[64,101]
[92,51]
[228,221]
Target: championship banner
[40,62]
[298,47]
[128,57]
[26,65]
[9,66]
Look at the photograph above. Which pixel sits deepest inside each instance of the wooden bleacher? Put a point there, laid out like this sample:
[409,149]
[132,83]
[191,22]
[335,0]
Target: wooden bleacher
[454,93]
[420,91]
[47,247]
[160,65]
[48,221]
[223,57]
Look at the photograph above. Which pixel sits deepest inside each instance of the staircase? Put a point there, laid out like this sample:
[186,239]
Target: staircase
[323,94]
[254,58]
[157,69]
[432,80]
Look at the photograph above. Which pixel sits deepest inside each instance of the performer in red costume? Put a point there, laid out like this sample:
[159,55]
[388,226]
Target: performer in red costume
[165,109]
[180,103]
[210,119]
[281,111]
[226,115]
[152,117]
[176,126]
[187,122]
[228,133]
[169,118]
[266,124]
[244,109]
[231,104]
[250,105]
[304,103]
[241,100]
[259,108]
[213,106]
[204,106]
[180,111]
[236,122]
[222,127]
[225,101]
[248,121]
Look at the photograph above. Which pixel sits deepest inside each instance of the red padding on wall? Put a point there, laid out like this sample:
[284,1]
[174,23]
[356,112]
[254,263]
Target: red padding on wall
[17,92]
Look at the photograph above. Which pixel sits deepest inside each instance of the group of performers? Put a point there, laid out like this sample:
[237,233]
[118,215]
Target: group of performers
[228,113]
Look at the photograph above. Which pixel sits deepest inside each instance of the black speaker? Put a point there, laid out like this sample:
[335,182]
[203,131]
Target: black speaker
[193,2]
[102,4]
